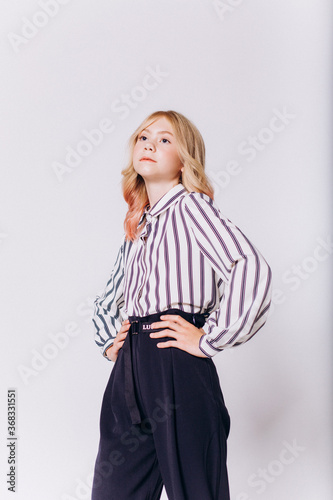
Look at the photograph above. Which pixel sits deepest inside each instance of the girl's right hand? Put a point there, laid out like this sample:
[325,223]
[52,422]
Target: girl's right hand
[112,352]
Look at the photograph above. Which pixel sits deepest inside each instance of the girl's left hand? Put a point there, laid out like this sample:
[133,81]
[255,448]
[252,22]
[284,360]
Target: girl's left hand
[186,335]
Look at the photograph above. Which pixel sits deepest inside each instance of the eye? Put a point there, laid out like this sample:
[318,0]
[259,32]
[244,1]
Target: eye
[142,137]
[165,140]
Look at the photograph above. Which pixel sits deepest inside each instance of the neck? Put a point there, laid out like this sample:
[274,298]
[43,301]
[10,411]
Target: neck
[156,191]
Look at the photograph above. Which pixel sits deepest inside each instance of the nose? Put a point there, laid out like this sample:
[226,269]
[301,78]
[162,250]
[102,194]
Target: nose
[149,145]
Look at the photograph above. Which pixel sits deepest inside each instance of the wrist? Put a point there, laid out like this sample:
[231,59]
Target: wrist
[105,354]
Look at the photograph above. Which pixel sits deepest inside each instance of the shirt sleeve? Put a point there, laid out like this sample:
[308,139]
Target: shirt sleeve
[244,304]
[107,317]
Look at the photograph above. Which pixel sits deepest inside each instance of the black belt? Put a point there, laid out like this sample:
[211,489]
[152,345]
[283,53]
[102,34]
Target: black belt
[137,323]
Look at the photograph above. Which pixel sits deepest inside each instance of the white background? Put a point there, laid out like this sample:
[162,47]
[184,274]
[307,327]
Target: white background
[230,70]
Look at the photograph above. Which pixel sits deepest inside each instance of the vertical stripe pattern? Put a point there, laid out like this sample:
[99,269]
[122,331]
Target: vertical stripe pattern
[188,256]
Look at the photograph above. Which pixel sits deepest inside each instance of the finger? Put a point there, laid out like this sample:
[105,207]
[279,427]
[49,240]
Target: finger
[193,350]
[174,317]
[120,337]
[166,324]
[117,346]
[125,328]
[164,333]
[167,343]
[120,344]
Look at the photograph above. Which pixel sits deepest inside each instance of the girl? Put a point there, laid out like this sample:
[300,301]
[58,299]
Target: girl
[186,284]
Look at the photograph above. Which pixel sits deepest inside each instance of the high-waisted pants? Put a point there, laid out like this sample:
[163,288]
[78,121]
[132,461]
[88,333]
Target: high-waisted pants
[163,422]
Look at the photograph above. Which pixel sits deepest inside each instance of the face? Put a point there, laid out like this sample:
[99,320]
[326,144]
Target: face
[155,155]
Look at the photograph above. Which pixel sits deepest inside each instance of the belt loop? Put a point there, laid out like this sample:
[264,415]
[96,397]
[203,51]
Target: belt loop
[135,327]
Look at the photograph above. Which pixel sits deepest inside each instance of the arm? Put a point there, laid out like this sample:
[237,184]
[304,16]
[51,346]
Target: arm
[107,316]
[246,276]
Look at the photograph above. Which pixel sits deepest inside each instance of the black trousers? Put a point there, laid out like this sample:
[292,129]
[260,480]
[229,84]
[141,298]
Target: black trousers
[163,421]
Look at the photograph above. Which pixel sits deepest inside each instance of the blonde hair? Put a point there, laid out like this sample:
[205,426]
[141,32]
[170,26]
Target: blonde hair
[191,149]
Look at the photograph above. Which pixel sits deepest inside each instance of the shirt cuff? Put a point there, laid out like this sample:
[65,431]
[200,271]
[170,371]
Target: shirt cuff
[106,346]
[206,348]
[205,345]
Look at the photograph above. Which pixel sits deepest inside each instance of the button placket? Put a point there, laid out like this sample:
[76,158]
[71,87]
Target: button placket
[146,232]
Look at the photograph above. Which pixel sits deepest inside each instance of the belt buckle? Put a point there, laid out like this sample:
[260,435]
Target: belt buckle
[134,332]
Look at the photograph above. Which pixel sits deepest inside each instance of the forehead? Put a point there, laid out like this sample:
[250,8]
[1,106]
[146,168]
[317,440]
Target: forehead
[159,125]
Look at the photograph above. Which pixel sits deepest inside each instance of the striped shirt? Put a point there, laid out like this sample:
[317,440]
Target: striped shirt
[190,257]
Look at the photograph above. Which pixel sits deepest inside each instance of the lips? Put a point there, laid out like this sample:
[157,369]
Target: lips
[146,158]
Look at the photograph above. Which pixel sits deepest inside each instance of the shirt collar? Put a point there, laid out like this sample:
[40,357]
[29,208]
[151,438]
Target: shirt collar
[165,202]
